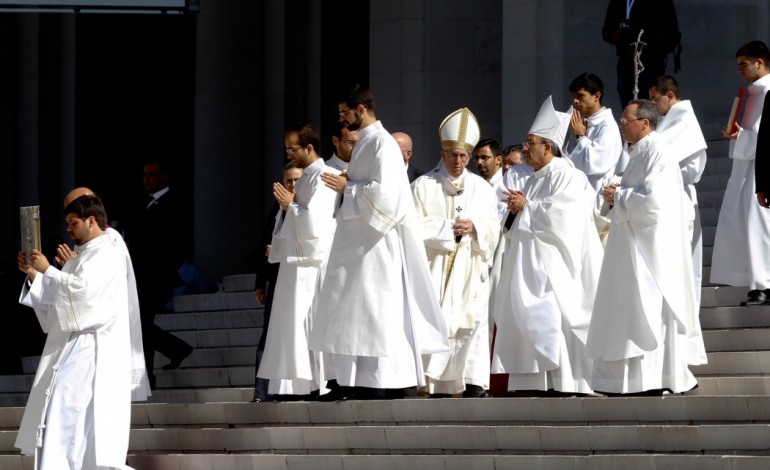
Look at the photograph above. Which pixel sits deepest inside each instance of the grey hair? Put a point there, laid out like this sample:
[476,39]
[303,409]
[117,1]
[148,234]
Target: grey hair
[555,150]
[646,110]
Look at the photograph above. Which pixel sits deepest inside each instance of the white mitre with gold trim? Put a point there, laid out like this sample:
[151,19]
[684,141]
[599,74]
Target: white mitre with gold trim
[550,124]
[460,130]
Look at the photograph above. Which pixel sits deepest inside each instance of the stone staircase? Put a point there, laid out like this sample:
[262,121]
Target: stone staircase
[201,418]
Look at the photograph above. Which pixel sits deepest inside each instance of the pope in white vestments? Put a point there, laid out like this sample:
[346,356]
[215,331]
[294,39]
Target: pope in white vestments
[645,332]
[301,243]
[377,311]
[550,270]
[79,409]
[461,229]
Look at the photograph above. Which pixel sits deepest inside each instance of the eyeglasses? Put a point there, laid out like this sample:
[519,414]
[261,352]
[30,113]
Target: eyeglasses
[344,111]
[292,149]
[530,143]
[456,156]
[625,122]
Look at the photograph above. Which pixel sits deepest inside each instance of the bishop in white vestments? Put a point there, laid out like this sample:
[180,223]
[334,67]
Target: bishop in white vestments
[550,270]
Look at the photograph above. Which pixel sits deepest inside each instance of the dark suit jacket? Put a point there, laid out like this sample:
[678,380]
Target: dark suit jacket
[762,162]
[413,172]
[267,274]
[159,237]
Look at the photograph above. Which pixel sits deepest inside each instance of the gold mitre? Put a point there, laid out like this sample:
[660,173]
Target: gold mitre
[550,124]
[460,130]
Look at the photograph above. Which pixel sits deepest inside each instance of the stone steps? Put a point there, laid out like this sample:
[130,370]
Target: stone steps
[243,461]
[200,417]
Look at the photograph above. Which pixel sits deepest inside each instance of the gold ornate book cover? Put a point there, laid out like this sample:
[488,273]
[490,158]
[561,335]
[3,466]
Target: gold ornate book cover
[30,229]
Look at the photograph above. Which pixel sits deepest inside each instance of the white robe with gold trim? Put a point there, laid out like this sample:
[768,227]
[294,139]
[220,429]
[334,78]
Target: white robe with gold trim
[377,312]
[460,273]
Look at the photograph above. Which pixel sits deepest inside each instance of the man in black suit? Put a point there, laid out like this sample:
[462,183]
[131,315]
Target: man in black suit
[405,144]
[762,159]
[158,242]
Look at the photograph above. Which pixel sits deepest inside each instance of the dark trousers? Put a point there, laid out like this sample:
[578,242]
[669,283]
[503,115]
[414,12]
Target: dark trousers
[154,338]
[260,384]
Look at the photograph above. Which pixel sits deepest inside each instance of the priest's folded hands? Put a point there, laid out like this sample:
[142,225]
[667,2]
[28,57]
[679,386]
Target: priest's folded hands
[609,193]
[516,200]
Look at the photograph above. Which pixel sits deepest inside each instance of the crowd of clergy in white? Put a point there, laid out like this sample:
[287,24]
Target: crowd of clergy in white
[586,260]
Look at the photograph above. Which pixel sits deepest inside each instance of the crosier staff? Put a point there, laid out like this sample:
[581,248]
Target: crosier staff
[638,66]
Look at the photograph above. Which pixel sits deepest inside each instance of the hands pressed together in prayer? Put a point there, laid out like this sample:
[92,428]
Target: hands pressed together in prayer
[282,195]
[335,182]
[608,193]
[463,227]
[515,201]
[576,124]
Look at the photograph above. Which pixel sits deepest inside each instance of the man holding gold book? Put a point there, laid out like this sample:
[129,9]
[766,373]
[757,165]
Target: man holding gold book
[79,409]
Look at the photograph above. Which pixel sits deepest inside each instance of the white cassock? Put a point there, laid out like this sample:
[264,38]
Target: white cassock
[79,408]
[742,243]
[680,137]
[645,332]
[301,243]
[337,163]
[516,177]
[498,183]
[377,312]
[460,273]
[140,383]
[547,287]
[597,153]
[513,180]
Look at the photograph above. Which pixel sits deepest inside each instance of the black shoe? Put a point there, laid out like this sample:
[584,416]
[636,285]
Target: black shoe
[369,393]
[757,297]
[338,393]
[474,391]
[176,361]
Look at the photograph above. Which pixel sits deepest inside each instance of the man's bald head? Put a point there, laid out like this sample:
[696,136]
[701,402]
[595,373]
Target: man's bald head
[405,143]
[76,193]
